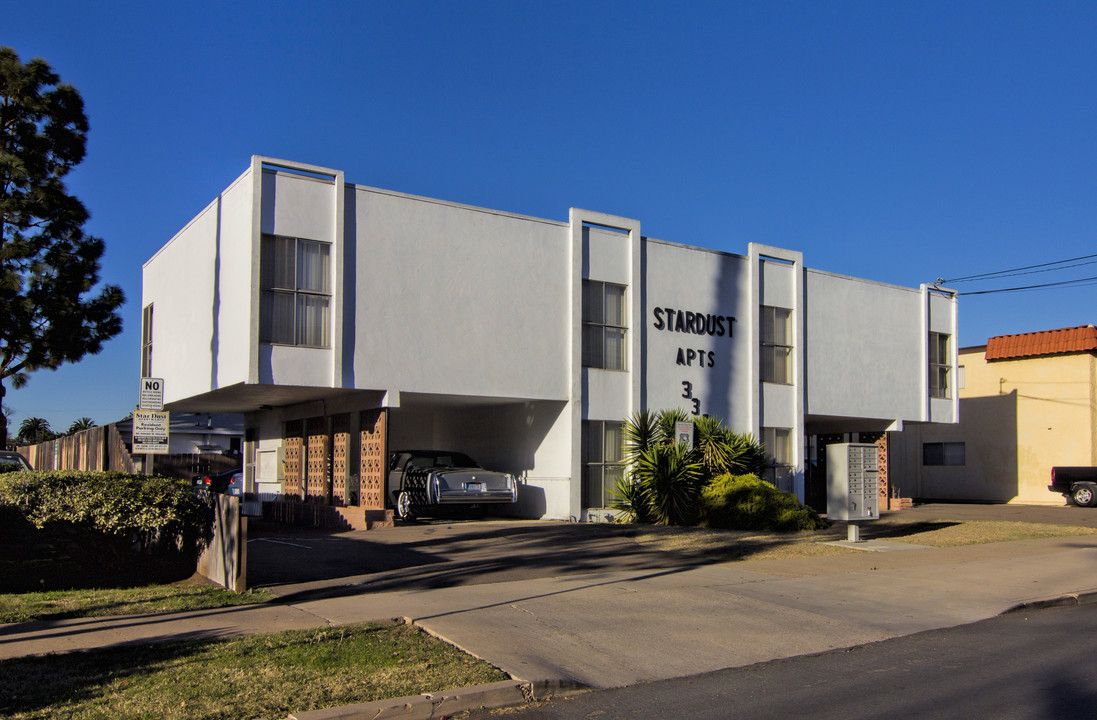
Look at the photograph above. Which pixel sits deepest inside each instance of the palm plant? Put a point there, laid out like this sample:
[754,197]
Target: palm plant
[80,424]
[641,431]
[35,430]
[669,480]
[663,478]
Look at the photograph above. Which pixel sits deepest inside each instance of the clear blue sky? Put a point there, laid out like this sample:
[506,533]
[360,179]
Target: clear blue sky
[896,141]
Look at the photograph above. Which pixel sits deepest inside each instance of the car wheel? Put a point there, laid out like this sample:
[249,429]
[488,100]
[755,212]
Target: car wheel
[403,506]
[1083,495]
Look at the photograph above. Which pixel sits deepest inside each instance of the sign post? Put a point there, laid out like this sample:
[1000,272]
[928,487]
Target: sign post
[150,422]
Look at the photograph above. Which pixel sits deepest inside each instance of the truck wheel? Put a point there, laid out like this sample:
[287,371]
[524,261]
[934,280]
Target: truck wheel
[403,506]
[1083,495]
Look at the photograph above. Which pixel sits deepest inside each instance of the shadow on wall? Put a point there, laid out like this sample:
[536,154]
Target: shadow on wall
[499,437]
[531,501]
[990,473]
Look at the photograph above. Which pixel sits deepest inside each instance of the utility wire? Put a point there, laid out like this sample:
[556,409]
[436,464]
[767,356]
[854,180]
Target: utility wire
[1079,282]
[1003,273]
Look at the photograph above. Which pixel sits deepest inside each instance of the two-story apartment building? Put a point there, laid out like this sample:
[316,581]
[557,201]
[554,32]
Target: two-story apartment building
[347,321]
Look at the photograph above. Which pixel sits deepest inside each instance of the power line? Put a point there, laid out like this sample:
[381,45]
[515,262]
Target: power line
[1017,271]
[1005,274]
[1079,282]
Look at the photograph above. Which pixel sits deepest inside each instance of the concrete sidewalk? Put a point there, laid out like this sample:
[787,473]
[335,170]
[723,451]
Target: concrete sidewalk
[638,624]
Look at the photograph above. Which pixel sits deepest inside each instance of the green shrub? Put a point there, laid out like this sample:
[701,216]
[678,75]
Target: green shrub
[111,519]
[669,480]
[745,502]
[629,501]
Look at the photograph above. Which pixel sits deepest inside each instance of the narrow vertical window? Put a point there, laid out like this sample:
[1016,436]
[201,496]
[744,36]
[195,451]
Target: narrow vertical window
[603,456]
[146,341]
[776,351]
[605,325]
[295,291]
[940,362]
[778,444]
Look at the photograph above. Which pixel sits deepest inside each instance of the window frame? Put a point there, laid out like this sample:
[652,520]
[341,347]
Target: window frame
[770,348]
[778,467]
[595,461]
[944,454]
[146,340]
[940,367]
[290,300]
[597,328]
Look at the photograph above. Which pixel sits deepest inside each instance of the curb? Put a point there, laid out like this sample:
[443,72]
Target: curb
[428,706]
[1087,597]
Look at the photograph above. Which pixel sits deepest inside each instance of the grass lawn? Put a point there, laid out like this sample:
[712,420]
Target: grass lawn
[178,597]
[733,545]
[249,677]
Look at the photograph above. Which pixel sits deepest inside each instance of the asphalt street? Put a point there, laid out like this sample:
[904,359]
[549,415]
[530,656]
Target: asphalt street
[1021,666]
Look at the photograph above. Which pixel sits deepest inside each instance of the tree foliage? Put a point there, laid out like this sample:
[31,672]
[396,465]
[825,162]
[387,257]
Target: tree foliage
[35,430]
[80,424]
[49,267]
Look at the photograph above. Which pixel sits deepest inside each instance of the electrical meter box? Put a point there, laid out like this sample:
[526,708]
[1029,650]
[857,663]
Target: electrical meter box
[853,481]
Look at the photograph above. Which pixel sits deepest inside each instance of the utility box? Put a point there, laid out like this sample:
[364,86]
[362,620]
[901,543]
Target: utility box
[853,481]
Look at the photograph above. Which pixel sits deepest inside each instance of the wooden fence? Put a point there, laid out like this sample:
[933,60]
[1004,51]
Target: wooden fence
[97,448]
[103,448]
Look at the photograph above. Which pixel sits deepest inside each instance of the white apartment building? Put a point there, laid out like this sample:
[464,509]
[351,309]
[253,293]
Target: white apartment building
[347,321]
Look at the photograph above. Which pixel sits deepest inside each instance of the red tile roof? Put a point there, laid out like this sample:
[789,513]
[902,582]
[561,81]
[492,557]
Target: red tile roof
[1047,342]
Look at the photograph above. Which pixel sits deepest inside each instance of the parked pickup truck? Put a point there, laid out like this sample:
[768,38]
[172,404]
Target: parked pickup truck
[1078,484]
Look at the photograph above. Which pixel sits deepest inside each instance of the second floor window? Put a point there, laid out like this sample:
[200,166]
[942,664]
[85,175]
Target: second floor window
[295,291]
[604,325]
[776,360]
[146,341]
[940,362]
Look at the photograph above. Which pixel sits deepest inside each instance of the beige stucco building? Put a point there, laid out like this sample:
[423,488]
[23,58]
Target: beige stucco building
[1027,403]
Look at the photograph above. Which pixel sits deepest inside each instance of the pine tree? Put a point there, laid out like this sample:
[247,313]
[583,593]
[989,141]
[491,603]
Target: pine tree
[48,266]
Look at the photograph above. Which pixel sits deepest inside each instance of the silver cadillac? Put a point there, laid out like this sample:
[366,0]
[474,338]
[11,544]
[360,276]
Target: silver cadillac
[423,480]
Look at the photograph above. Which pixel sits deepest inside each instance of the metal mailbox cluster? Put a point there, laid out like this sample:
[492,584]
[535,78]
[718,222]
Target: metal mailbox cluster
[853,480]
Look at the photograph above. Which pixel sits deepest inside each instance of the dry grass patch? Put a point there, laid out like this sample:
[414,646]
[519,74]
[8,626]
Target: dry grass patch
[180,597]
[249,677]
[979,532]
[726,545]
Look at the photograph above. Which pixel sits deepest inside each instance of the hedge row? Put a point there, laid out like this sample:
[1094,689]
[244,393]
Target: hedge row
[136,512]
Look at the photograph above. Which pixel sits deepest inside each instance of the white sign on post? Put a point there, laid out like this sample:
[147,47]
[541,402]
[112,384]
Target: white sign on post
[150,432]
[683,434]
[151,396]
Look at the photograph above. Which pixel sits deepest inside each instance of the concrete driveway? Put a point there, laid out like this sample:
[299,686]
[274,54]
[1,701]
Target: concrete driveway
[587,604]
[309,564]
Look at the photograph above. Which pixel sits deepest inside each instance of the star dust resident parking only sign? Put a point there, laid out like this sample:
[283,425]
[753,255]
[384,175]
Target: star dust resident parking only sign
[150,423]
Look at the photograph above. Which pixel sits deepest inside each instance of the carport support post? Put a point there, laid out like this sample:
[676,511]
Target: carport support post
[853,533]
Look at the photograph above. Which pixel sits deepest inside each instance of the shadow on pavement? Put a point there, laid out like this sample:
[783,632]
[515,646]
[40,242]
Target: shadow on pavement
[300,566]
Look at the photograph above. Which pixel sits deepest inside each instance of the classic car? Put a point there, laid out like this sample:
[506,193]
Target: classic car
[426,480]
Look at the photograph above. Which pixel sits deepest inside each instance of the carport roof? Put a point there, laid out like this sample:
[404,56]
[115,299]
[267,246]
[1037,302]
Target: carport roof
[1046,342]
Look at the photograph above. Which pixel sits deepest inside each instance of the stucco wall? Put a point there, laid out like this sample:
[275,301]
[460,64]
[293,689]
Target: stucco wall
[1018,419]
[864,349]
[200,324]
[717,366]
[458,300]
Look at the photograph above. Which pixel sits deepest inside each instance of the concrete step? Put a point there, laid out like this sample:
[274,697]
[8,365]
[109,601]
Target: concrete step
[328,517]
